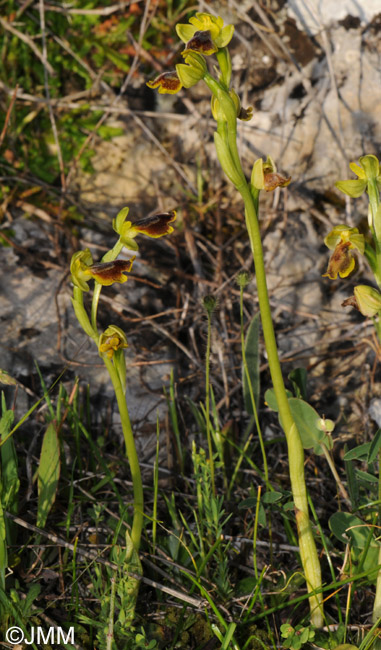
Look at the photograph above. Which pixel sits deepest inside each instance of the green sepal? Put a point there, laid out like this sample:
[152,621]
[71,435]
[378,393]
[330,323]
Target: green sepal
[352,188]
[225,36]
[370,165]
[255,195]
[121,217]
[257,180]
[129,243]
[368,300]
[185,32]
[191,72]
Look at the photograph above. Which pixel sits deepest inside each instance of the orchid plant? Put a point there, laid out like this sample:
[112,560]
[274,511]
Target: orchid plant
[344,241]
[112,342]
[204,36]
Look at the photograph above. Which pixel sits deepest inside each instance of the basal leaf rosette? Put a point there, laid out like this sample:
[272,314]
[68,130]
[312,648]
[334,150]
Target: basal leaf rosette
[343,240]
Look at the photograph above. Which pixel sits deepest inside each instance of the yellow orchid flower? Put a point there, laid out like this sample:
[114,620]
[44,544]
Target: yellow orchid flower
[167,83]
[106,273]
[195,38]
[342,240]
[112,340]
[155,226]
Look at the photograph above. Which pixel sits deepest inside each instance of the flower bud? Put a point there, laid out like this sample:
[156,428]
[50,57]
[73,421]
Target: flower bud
[368,300]
[112,340]
[243,278]
[210,303]
[265,176]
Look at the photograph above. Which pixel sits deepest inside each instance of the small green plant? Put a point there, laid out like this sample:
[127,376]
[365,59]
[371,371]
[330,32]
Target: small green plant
[296,637]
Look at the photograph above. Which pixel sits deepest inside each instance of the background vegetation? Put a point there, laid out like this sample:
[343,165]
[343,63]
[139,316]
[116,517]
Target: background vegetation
[220,559]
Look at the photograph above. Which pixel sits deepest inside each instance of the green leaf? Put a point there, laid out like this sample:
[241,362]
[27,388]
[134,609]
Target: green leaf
[358,453]
[246,586]
[9,484]
[306,420]
[351,479]
[48,474]
[298,377]
[365,476]
[352,188]
[375,446]
[3,548]
[9,474]
[252,360]
[271,497]
[349,528]
[270,399]
[251,502]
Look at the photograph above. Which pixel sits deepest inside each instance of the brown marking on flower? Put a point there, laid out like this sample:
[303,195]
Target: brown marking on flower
[201,42]
[245,114]
[156,225]
[166,82]
[108,272]
[350,302]
[273,180]
[341,261]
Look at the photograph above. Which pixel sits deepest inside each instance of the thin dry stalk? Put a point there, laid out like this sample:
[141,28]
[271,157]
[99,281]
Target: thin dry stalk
[8,115]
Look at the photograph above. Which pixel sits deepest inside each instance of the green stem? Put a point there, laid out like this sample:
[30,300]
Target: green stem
[251,392]
[110,256]
[110,630]
[82,316]
[308,552]
[224,61]
[94,304]
[227,151]
[374,201]
[131,453]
